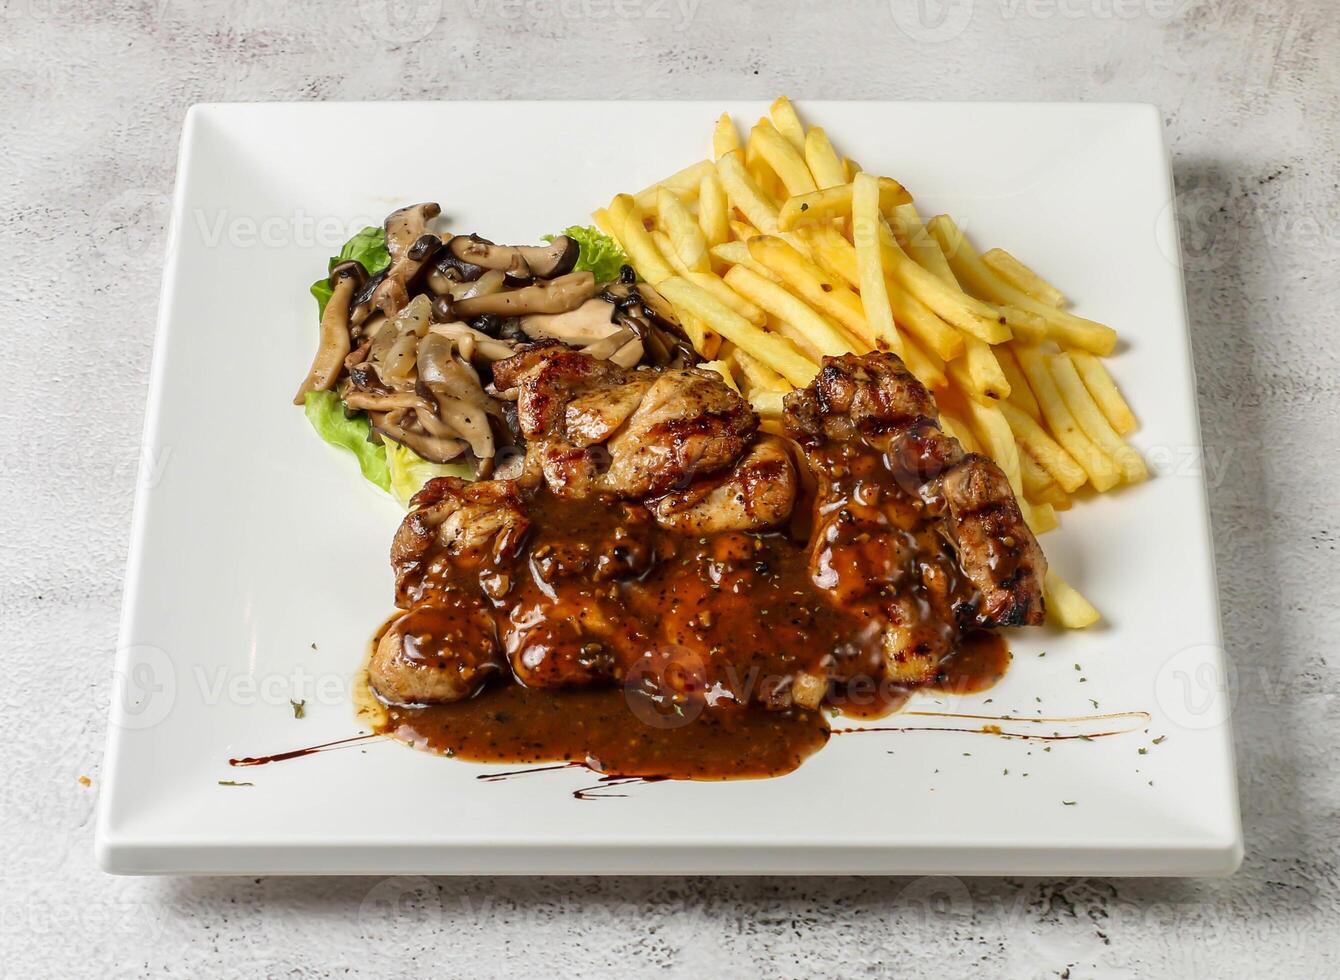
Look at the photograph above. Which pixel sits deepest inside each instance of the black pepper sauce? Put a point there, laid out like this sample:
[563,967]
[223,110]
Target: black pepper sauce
[645,652]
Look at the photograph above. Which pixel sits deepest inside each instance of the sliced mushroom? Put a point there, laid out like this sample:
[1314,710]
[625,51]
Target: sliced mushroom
[407,225]
[481,252]
[435,449]
[552,260]
[388,291]
[550,296]
[592,321]
[489,348]
[334,345]
[372,401]
[460,398]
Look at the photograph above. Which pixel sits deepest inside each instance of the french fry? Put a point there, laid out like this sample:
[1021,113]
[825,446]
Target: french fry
[784,159]
[1065,605]
[788,123]
[1103,472]
[757,375]
[995,434]
[1045,450]
[1022,278]
[770,349]
[797,337]
[744,194]
[824,292]
[626,218]
[1091,420]
[919,244]
[983,370]
[956,427]
[824,163]
[1040,517]
[1104,391]
[766,402]
[1020,394]
[713,210]
[850,169]
[1039,486]
[704,341]
[952,305]
[723,369]
[826,336]
[684,183]
[925,366]
[919,320]
[601,217]
[869,264]
[837,256]
[742,231]
[832,253]
[757,166]
[724,137]
[737,253]
[978,277]
[682,228]
[835,202]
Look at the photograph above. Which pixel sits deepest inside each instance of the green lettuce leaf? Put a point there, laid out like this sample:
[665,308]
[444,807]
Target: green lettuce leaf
[367,247]
[326,413]
[600,254]
[410,471]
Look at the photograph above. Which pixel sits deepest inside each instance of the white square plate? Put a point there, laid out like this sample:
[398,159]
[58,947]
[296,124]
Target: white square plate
[258,565]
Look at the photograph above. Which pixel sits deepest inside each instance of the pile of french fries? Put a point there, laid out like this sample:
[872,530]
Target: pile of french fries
[778,251]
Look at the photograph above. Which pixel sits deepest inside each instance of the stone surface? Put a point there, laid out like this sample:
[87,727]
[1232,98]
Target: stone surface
[94,96]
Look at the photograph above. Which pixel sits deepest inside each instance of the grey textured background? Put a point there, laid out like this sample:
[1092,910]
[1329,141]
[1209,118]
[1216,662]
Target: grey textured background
[93,98]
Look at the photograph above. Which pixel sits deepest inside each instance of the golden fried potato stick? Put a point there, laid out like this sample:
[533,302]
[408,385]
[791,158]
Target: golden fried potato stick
[1023,278]
[837,256]
[788,123]
[684,183]
[758,167]
[826,336]
[850,169]
[756,374]
[925,366]
[625,218]
[1020,394]
[868,226]
[1039,487]
[1103,472]
[724,137]
[704,341]
[682,229]
[1046,451]
[994,433]
[772,350]
[1065,328]
[737,253]
[824,163]
[826,293]
[784,159]
[745,195]
[710,282]
[1065,605]
[835,202]
[952,305]
[1040,517]
[1091,420]
[723,369]
[766,402]
[1104,391]
[713,210]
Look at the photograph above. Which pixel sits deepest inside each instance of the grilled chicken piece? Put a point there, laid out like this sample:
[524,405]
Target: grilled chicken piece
[873,401]
[443,651]
[454,527]
[758,492]
[593,428]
